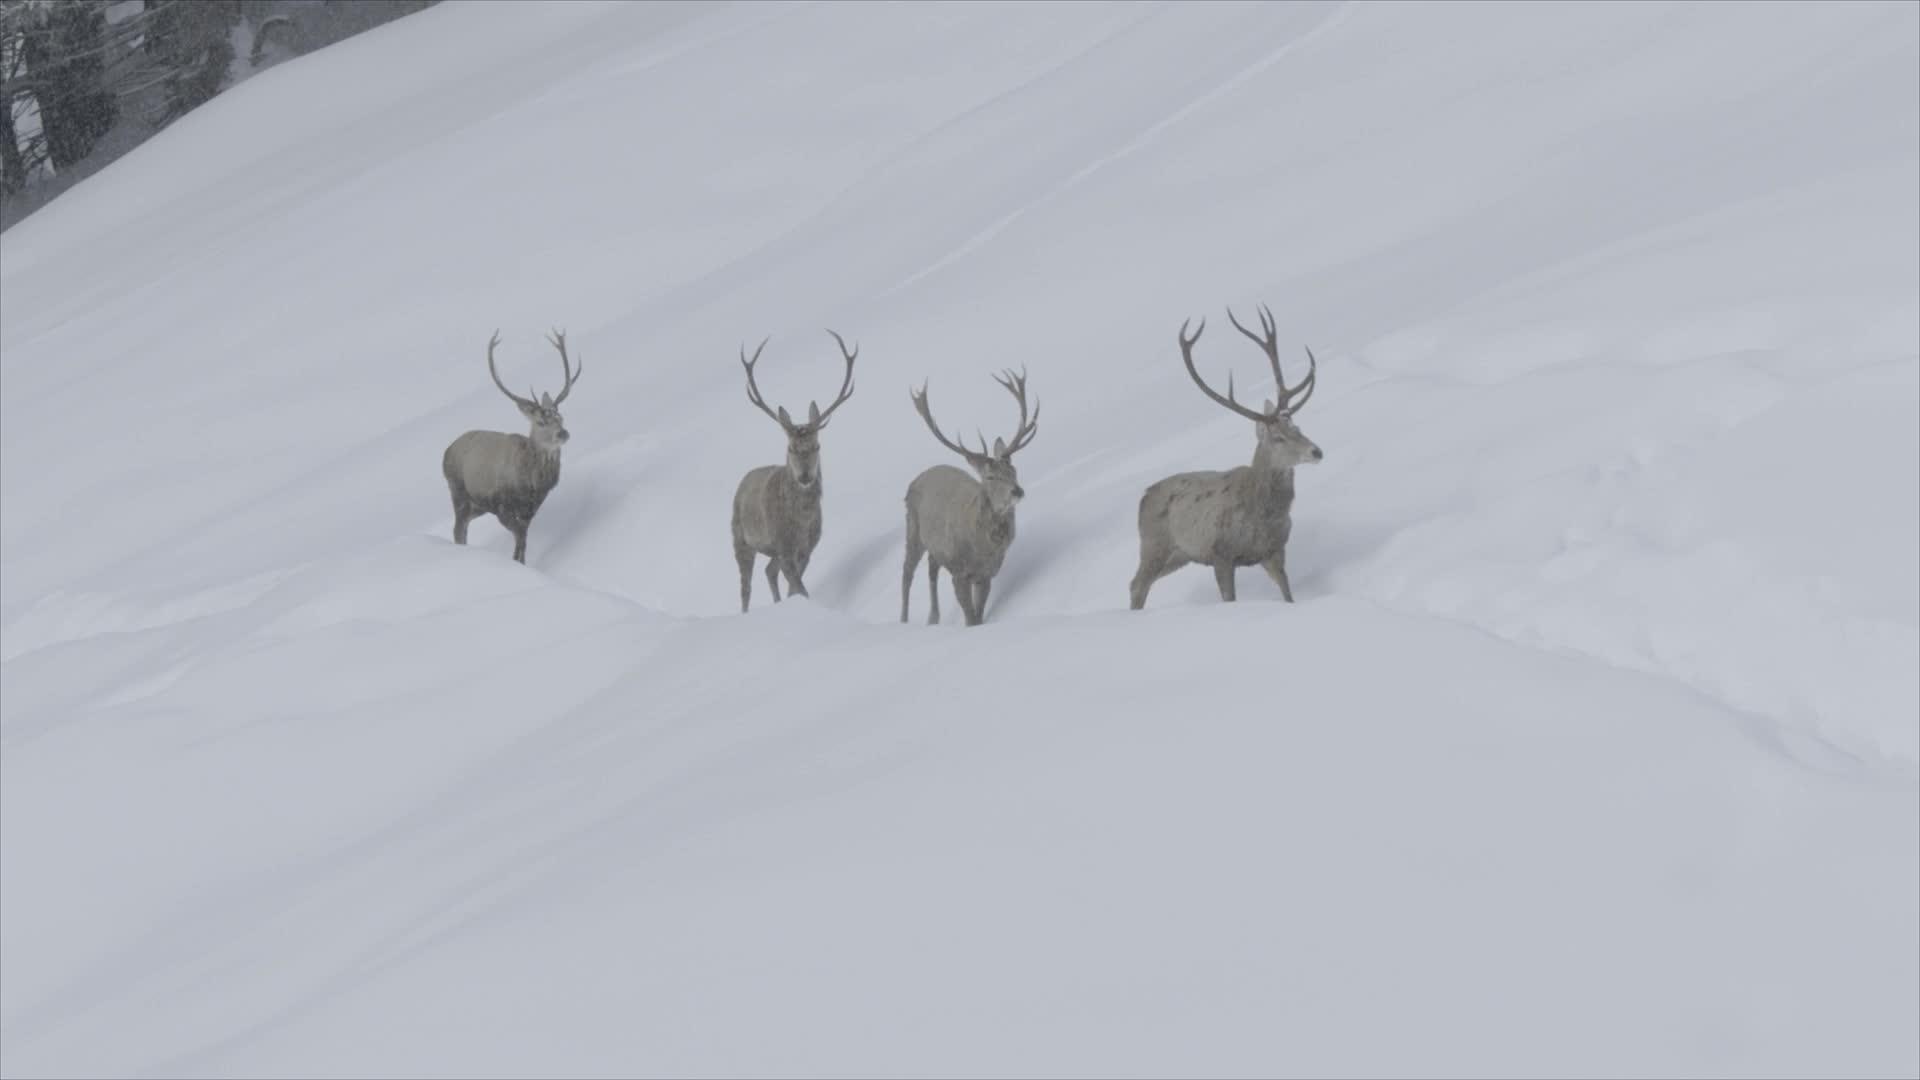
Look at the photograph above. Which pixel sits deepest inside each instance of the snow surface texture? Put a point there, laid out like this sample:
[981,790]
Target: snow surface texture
[1592,746]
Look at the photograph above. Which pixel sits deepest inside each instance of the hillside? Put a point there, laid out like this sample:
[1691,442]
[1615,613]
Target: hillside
[1592,745]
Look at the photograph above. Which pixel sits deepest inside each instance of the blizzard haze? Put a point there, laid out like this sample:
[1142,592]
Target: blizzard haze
[1591,746]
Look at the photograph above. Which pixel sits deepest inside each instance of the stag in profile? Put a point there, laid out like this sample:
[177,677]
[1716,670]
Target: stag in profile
[1240,517]
[507,475]
[962,523]
[776,508]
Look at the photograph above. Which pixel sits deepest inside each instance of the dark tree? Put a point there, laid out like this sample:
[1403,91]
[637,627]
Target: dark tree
[64,48]
[193,43]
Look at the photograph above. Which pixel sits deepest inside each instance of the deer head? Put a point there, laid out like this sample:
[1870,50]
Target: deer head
[803,439]
[998,477]
[1281,443]
[549,430]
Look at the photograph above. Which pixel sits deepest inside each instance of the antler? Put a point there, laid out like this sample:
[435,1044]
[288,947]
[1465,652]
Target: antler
[1186,354]
[846,384]
[495,372]
[1017,386]
[1305,388]
[558,339]
[1291,398]
[753,389]
[926,413]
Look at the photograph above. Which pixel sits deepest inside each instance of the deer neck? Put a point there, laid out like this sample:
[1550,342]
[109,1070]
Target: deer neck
[1270,483]
[998,527]
[543,464]
[805,494]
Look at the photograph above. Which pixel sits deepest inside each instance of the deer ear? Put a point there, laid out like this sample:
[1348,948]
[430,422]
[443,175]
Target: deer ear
[528,410]
[1267,406]
[784,418]
[1000,449]
[546,400]
[813,412]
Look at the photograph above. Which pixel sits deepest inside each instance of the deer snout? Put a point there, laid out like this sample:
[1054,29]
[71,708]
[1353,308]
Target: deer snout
[1019,493]
[561,436]
[1315,454]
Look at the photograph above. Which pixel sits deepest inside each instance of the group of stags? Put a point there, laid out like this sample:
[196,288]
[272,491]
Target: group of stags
[963,523]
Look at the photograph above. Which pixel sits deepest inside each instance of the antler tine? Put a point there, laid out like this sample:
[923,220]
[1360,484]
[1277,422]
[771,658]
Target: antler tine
[1017,386]
[1186,354]
[846,384]
[926,413]
[495,372]
[753,389]
[1305,389]
[1269,342]
[558,339]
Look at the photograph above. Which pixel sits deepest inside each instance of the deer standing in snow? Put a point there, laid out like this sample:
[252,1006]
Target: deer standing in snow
[506,475]
[776,508]
[961,523]
[1240,517]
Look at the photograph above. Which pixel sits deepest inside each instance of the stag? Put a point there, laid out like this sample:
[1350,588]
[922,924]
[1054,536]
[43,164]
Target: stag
[1240,517]
[506,475]
[960,523]
[776,508]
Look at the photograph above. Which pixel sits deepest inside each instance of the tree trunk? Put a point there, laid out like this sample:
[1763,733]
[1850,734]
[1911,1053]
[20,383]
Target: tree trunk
[13,164]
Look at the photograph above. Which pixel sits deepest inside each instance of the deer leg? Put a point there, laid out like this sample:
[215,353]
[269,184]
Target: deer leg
[519,541]
[1276,568]
[743,555]
[1223,576]
[933,592]
[963,592]
[463,510]
[794,568]
[773,576]
[914,552]
[980,590]
[1153,567]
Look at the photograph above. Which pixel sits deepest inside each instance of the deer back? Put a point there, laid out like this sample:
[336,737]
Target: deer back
[1242,515]
[492,465]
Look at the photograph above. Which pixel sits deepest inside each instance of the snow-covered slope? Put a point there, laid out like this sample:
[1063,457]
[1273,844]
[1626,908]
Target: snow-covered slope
[1592,746]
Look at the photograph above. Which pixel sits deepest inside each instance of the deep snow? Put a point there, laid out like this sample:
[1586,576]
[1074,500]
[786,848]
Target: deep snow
[1593,746]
